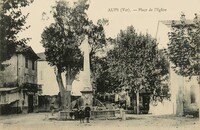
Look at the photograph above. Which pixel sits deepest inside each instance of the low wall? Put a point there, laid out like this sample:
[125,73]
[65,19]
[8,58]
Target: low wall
[63,115]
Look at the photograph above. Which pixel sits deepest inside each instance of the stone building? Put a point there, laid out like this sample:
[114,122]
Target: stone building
[185,94]
[46,76]
[18,86]
[184,90]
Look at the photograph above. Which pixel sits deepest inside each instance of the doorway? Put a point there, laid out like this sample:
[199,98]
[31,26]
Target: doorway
[30,103]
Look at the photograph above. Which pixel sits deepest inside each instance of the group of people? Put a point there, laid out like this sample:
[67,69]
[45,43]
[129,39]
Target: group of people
[84,114]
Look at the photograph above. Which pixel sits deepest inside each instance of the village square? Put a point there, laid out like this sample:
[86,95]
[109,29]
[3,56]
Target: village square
[86,64]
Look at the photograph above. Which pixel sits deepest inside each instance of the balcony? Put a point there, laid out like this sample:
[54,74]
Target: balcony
[32,87]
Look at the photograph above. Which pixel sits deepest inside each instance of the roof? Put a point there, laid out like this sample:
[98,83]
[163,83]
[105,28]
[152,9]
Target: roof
[27,50]
[176,22]
[42,56]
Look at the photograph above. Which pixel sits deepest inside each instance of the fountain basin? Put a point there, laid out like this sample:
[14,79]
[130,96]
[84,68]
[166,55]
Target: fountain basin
[102,113]
[64,115]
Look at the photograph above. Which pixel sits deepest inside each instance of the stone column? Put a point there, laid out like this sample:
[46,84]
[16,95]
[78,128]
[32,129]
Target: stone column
[87,92]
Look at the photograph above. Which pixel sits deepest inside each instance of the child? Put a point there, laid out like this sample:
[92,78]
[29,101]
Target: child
[52,109]
[81,115]
[87,113]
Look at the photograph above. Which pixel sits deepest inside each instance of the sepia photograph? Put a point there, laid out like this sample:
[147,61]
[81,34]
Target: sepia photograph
[99,64]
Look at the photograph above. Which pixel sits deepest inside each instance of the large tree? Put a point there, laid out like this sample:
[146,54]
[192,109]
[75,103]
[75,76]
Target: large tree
[184,47]
[138,64]
[12,22]
[61,41]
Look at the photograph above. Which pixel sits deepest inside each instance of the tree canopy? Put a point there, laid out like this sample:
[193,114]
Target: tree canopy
[103,80]
[62,39]
[137,63]
[184,46]
[12,22]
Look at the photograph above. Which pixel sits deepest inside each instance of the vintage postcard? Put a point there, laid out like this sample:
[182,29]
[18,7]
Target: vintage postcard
[99,64]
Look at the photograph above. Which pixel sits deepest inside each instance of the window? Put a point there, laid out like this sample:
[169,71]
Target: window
[26,62]
[33,65]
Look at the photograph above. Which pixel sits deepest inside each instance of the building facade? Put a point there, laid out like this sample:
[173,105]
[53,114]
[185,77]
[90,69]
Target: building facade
[185,94]
[18,87]
[184,90]
[46,76]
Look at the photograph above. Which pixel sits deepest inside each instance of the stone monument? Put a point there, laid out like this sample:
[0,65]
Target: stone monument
[87,92]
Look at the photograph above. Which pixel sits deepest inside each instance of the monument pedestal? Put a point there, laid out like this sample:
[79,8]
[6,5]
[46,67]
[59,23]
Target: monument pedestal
[87,96]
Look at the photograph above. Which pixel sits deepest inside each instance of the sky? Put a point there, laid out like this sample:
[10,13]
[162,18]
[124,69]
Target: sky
[142,14]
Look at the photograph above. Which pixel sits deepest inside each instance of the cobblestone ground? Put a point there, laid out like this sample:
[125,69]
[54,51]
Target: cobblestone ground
[40,121]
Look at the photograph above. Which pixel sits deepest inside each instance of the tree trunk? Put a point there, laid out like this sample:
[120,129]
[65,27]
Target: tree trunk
[61,89]
[199,95]
[69,81]
[199,102]
[68,99]
[138,102]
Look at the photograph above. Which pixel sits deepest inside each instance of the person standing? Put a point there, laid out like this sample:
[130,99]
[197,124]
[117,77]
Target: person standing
[87,113]
[81,115]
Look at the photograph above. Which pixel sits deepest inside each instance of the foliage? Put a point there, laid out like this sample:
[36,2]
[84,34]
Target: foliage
[12,22]
[137,63]
[184,46]
[97,39]
[61,39]
[104,82]
[98,42]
